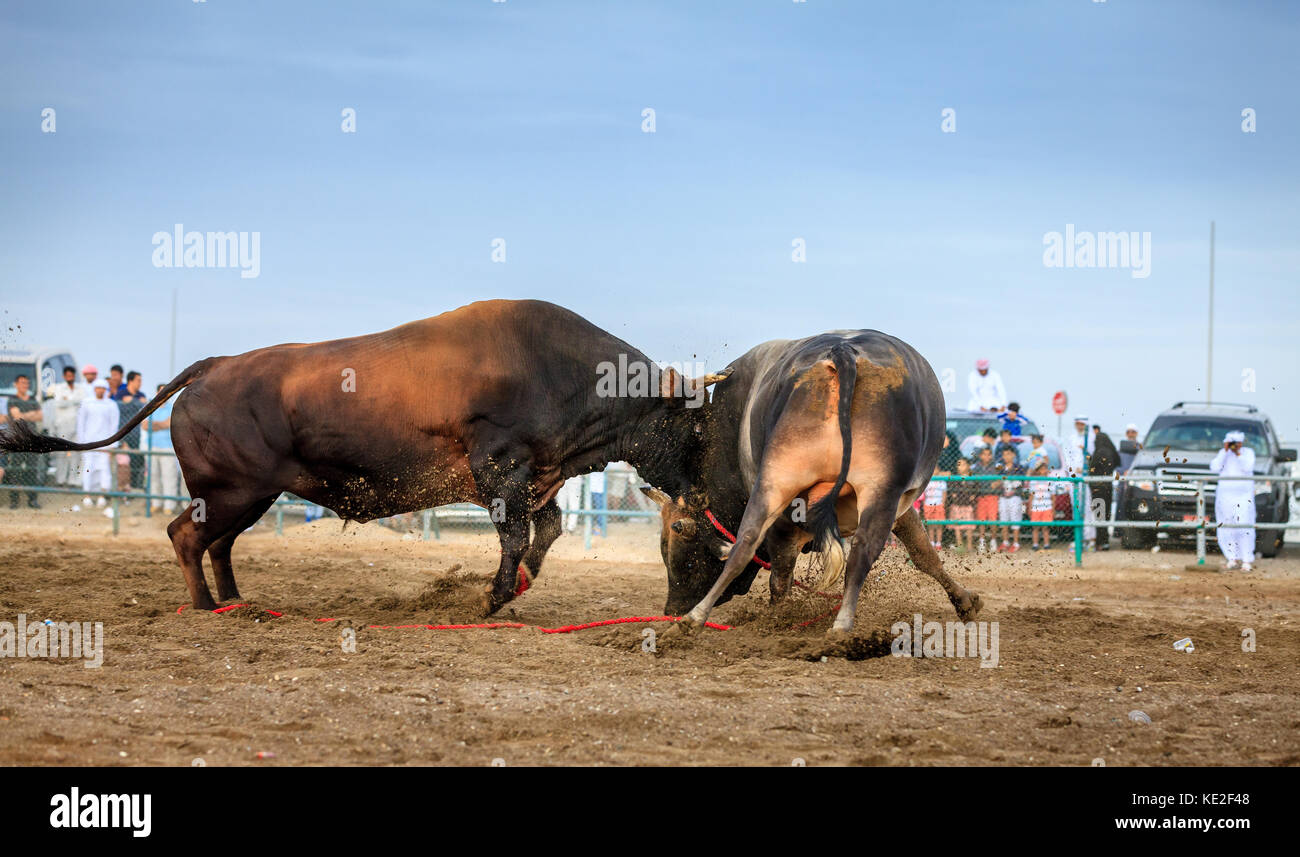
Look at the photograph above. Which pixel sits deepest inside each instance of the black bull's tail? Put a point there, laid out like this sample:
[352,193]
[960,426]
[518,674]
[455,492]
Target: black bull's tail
[19,436]
[825,524]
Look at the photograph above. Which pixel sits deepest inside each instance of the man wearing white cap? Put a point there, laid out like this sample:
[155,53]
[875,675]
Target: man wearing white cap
[96,420]
[1125,462]
[1234,500]
[1126,458]
[986,390]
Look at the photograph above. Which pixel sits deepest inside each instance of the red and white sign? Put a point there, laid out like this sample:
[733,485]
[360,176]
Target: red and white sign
[1060,402]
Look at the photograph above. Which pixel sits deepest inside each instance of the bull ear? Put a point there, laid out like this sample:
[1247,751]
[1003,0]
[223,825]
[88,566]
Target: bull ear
[655,494]
[684,527]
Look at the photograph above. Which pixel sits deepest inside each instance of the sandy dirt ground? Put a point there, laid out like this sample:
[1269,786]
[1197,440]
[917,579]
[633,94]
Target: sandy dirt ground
[1078,650]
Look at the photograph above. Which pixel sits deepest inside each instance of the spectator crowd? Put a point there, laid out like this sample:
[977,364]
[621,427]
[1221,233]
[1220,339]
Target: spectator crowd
[992,509]
[86,410]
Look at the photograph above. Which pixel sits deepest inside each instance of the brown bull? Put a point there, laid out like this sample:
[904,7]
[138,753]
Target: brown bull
[807,440]
[495,403]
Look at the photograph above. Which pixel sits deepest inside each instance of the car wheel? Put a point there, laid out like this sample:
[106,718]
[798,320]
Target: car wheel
[1272,545]
[1134,538]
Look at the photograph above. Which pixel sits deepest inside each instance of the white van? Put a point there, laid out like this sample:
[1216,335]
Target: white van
[44,365]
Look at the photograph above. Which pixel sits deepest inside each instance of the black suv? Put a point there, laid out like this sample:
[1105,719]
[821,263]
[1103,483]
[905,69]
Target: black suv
[1179,447]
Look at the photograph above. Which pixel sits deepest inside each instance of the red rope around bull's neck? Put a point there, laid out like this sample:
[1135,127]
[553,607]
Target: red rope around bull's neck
[717,525]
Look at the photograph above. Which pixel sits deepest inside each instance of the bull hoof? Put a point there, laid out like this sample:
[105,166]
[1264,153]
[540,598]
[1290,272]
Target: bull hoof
[969,607]
[838,635]
[490,604]
[687,626]
[674,633]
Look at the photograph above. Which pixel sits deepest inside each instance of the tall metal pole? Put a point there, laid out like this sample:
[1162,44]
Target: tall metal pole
[1209,351]
[171,360]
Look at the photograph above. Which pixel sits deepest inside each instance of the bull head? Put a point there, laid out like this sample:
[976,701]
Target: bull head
[692,550]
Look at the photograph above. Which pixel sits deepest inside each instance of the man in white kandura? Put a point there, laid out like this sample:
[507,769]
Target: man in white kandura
[1234,500]
[986,390]
[96,420]
[67,400]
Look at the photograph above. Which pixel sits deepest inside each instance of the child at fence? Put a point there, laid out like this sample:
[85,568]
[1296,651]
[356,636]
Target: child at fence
[1011,503]
[1004,443]
[1041,504]
[1036,450]
[986,498]
[596,482]
[935,494]
[961,506]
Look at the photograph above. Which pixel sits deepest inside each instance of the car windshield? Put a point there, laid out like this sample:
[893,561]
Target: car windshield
[969,430]
[1202,435]
[10,371]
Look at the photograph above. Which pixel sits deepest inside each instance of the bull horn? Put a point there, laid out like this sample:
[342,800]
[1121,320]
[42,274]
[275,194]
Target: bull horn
[713,378]
[655,494]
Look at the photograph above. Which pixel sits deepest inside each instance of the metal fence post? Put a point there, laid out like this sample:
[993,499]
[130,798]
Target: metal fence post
[1114,506]
[1200,523]
[425,522]
[116,489]
[148,474]
[586,519]
[1078,520]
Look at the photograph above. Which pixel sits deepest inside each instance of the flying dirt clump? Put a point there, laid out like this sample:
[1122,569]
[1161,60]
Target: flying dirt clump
[456,596]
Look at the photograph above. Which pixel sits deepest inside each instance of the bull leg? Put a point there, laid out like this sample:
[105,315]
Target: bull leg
[223,573]
[209,516]
[513,533]
[869,540]
[783,550]
[547,528]
[764,507]
[508,485]
[911,532]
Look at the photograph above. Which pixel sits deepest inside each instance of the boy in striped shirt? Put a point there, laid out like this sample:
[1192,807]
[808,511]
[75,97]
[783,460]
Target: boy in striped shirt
[1040,505]
[935,493]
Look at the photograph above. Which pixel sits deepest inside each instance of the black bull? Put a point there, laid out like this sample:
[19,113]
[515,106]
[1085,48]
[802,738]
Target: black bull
[806,440]
[496,403]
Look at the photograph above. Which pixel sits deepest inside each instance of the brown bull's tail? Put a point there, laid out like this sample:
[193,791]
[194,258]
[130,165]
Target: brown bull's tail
[19,436]
[825,524]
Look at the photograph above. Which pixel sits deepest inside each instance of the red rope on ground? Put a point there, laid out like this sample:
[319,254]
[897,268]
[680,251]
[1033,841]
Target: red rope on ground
[563,629]
[803,585]
[230,607]
[487,625]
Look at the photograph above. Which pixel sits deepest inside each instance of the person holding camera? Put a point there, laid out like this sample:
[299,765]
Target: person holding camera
[1234,500]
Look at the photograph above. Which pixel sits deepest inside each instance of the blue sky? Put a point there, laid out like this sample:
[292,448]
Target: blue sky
[774,121]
